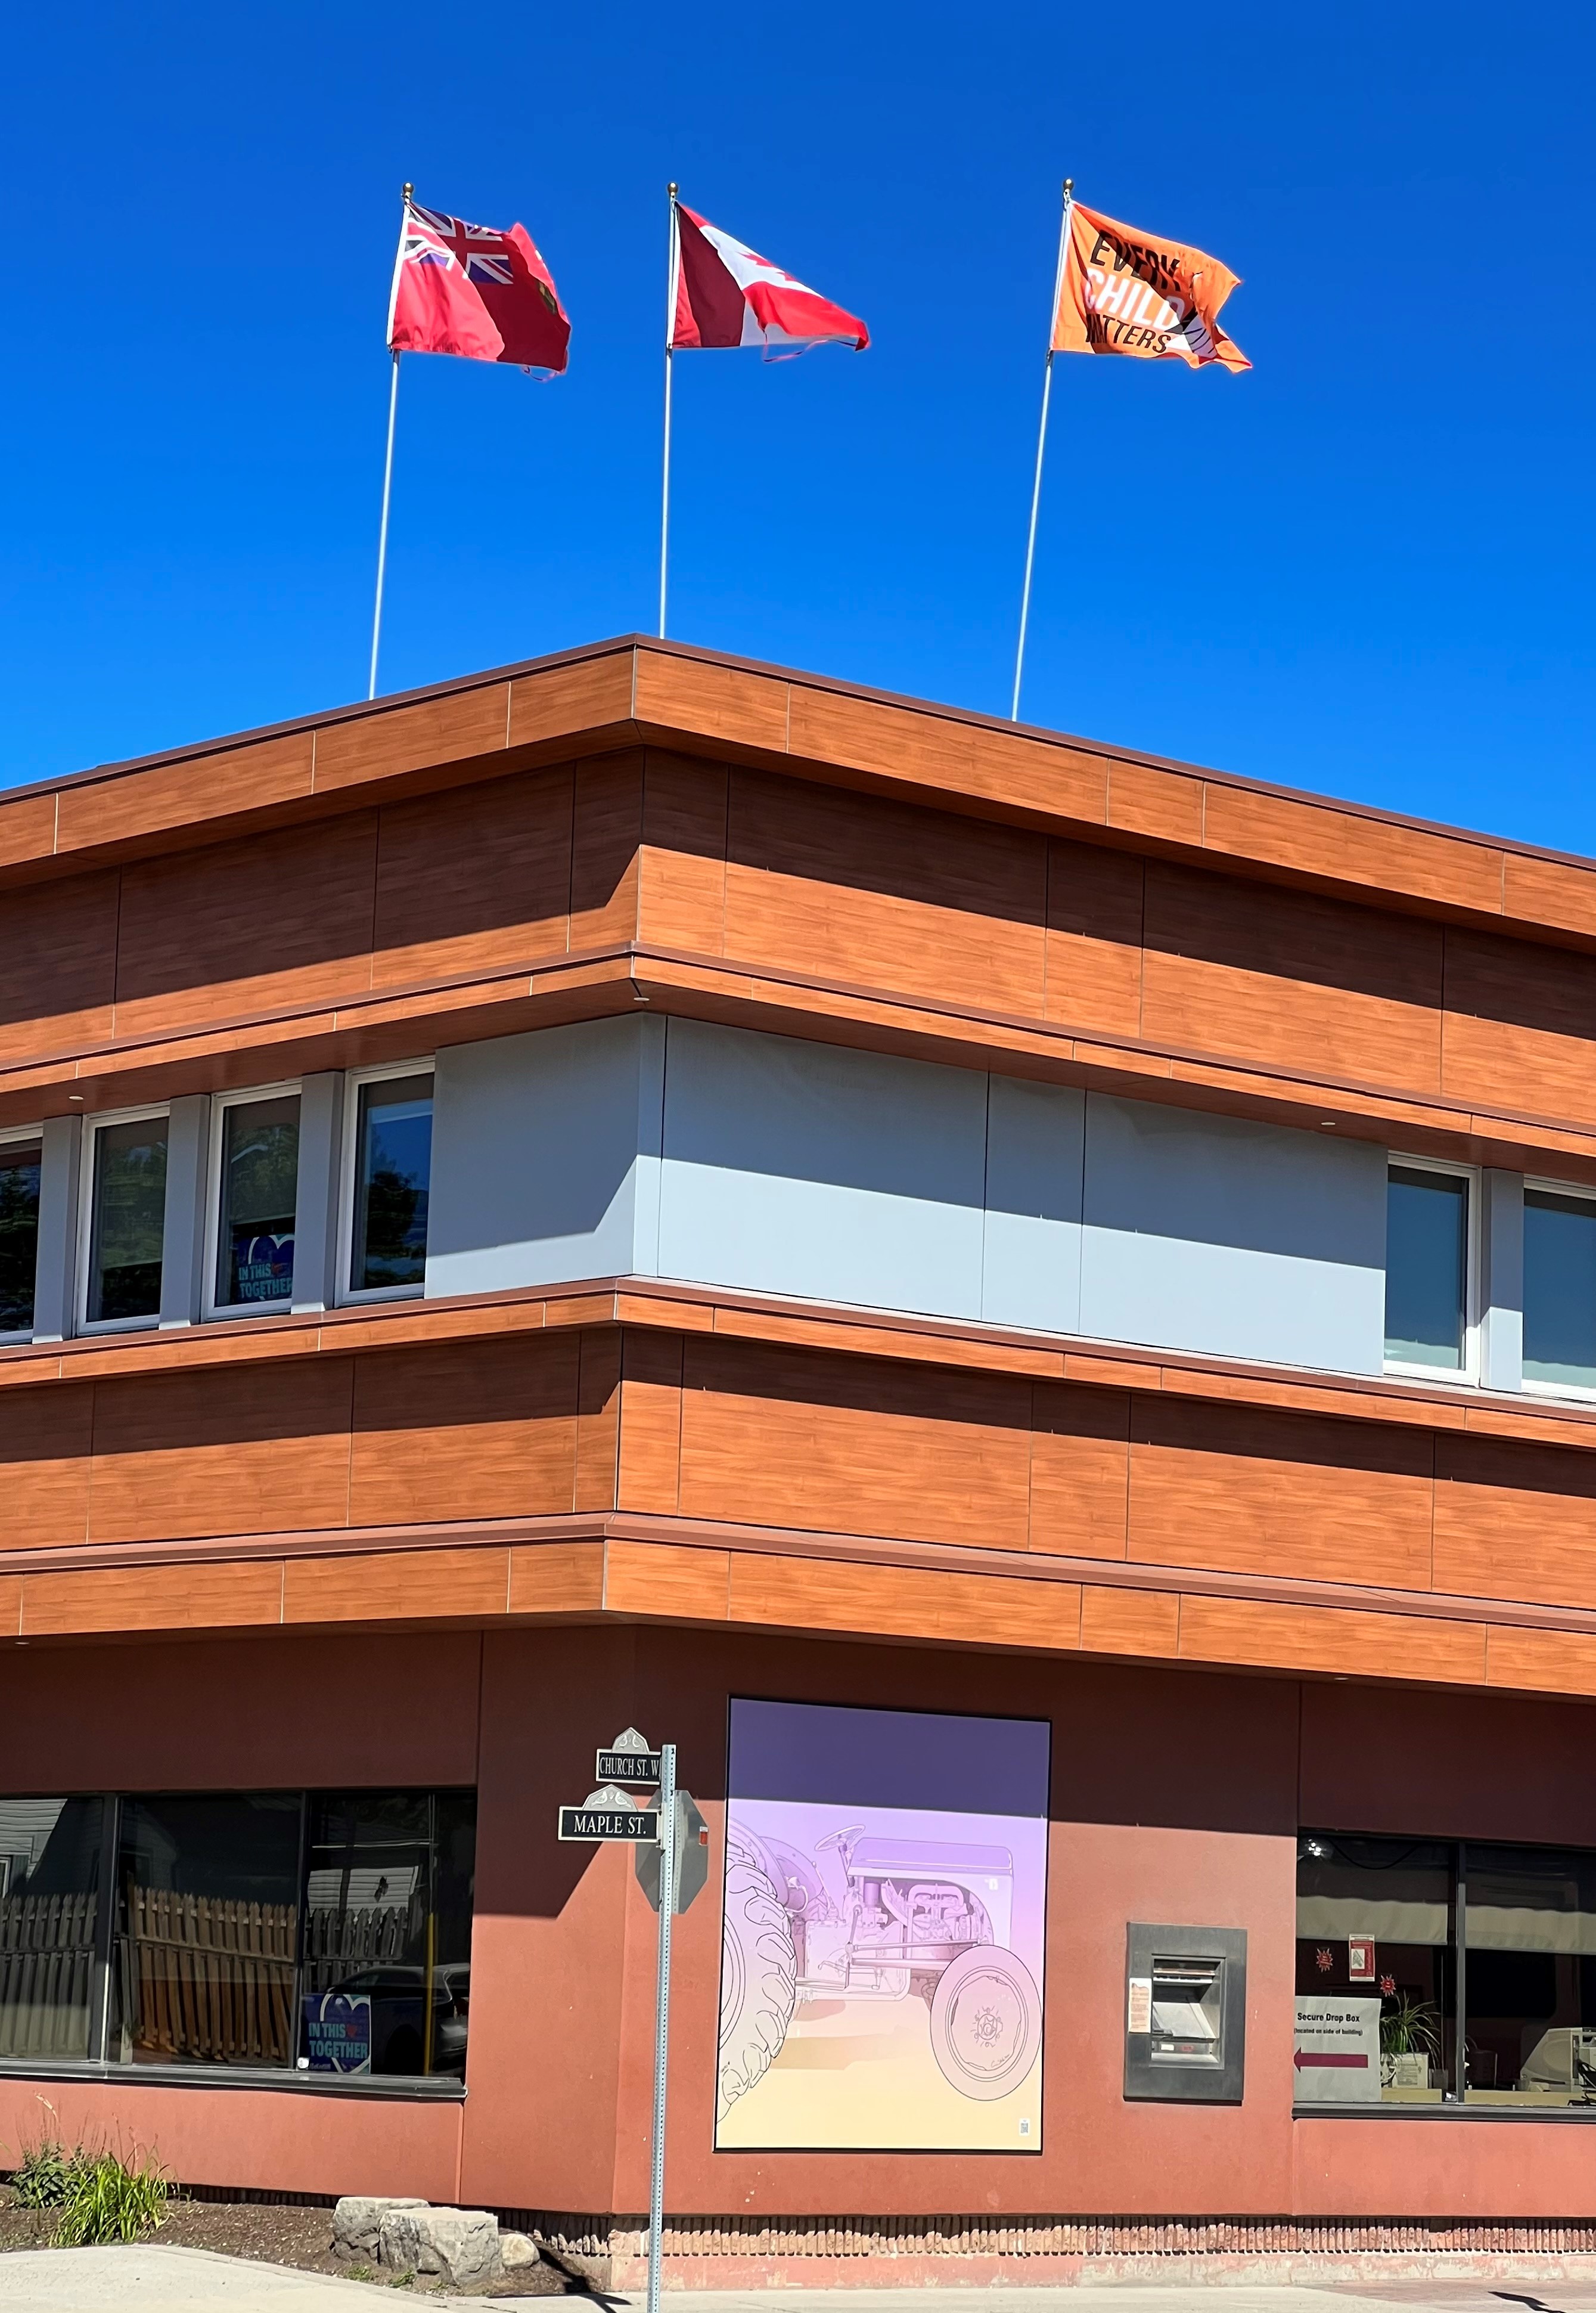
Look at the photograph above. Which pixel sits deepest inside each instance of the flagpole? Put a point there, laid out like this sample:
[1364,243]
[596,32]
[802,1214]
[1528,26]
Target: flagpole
[388,461]
[670,265]
[1042,444]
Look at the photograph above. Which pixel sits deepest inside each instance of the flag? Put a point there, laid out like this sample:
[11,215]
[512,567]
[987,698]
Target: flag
[727,296]
[1125,292]
[462,288]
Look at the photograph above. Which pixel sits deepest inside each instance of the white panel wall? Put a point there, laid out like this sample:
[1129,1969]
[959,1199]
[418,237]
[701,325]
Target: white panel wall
[723,1157]
[1206,1233]
[806,1169]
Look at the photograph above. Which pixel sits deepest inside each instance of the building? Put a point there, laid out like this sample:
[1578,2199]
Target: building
[1033,1309]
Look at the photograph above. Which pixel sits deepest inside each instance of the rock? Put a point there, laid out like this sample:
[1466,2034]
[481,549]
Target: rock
[461,2246]
[516,2250]
[357,2220]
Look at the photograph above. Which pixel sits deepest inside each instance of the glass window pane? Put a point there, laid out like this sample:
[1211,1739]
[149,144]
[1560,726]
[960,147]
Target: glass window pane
[1376,2010]
[50,1899]
[1426,1251]
[393,1167]
[259,1183]
[1530,1929]
[129,1219]
[209,1929]
[1559,1288]
[19,1233]
[387,1979]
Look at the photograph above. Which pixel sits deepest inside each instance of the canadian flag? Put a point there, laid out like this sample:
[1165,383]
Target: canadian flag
[727,296]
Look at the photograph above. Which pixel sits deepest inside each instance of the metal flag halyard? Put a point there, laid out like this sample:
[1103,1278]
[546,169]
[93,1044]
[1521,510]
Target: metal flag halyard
[388,461]
[1041,443]
[673,261]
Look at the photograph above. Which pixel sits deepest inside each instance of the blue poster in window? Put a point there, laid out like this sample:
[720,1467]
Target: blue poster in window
[337,2032]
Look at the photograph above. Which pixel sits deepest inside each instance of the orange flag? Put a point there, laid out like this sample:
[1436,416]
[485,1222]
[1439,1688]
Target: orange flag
[1125,292]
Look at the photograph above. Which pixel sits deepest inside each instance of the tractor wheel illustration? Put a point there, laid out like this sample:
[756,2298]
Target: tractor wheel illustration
[758,1971]
[986,2022]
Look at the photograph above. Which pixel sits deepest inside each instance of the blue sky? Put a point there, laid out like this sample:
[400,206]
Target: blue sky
[1365,567]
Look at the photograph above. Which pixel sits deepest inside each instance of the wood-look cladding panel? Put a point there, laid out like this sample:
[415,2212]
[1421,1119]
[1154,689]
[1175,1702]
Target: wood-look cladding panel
[606,839]
[557,1577]
[46,1438]
[923,750]
[661,1578]
[1094,937]
[722,702]
[903,1601]
[1515,1521]
[649,1474]
[1340,1640]
[1130,1622]
[1549,1662]
[598,1420]
[398,739]
[1227,1487]
[786,1438]
[395,1585]
[1285,977]
[226,1596]
[484,1429]
[171,795]
[682,871]
[1080,1470]
[246,927]
[1326,841]
[474,879]
[58,965]
[1520,1025]
[886,894]
[224,1451]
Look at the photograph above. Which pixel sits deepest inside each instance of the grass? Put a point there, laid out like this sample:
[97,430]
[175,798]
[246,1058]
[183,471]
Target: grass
[102,2195]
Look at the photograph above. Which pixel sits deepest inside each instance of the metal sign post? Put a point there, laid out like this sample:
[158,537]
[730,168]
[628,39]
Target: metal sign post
[670,1843]
[662,2024]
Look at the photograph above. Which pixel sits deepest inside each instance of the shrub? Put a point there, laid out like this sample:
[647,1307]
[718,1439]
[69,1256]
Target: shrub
[43,2176]
[109,2199]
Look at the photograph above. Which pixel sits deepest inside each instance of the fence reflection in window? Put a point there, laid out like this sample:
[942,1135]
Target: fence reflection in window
[275,1929]
[49,1924]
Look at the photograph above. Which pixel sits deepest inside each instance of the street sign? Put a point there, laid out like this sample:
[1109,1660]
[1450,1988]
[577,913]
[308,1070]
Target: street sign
[609,1814]
[692,1857]
[627,1766]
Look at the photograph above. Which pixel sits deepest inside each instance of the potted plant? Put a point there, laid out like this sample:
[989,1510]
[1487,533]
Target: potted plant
[1409,2039]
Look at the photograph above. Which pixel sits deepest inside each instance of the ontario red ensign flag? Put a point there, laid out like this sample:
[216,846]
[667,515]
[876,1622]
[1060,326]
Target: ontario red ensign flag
[470,289]
[726,295]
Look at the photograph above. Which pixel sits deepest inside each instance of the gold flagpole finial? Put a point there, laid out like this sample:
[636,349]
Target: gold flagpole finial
[404,192]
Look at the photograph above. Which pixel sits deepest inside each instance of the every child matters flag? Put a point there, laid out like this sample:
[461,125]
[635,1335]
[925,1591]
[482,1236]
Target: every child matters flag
[1121,291]
[472,290]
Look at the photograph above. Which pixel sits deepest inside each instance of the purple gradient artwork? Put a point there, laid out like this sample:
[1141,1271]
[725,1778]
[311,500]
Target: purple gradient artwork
[881,1965]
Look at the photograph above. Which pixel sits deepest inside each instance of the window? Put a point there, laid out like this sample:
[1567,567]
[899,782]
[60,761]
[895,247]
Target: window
[393,1165]
[127,1220]
[51,1948]
[1559,1288]
[1427,1236]
[1431,1972]
[19,1233]
[290,1930]
[257,1189]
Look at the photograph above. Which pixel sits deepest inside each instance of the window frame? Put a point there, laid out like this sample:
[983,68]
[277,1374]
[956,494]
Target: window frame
[213,1311]
[12,1336]
[347,1295]
[93,1127]
[1466,1375]
[1579,1393]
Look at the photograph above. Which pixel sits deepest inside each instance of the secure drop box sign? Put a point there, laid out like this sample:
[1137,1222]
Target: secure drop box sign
[337,2032]
[1338,2050]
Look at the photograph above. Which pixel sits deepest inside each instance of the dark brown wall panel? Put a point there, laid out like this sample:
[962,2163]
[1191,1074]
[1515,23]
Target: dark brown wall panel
[1094,938]
[58,965]
[1520,1025]
[1284,976]
[1515,1521]
[1289,1494]
[277,921]
[606,832]
[477,1429]
[45,1439]
[232,1450]
[474,880]
[790,1438]
[851,887]
[682,901]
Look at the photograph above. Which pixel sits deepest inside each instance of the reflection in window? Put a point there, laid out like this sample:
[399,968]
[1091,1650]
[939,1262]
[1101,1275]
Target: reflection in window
[50,1907]
[19,1233]
[259,1187]
[129,1214]
[1376,2011]
[1529,1925]
[387,1932]
[1426,1249]
[1559,1288]
[208,1930]
[392,1169]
